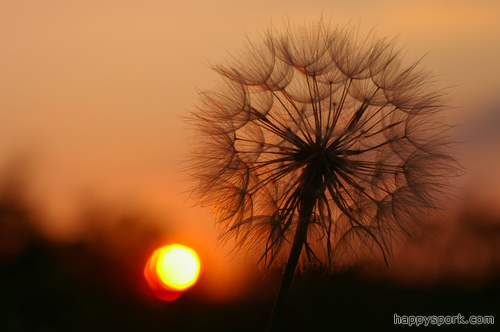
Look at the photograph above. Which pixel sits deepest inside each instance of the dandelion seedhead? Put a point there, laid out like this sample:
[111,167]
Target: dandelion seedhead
[322,142]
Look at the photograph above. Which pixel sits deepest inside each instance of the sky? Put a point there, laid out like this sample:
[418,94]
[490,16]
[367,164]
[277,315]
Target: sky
[93,95]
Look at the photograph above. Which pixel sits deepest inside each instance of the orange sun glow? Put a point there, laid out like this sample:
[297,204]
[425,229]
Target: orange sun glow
[172,269]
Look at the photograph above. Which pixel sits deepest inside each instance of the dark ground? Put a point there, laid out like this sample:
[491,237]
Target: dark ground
[40,291]
[96,284]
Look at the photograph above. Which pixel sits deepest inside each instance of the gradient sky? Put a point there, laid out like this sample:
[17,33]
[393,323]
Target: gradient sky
[92,93]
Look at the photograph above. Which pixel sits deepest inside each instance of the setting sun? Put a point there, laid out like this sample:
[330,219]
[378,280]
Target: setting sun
[171,270]
[178,266]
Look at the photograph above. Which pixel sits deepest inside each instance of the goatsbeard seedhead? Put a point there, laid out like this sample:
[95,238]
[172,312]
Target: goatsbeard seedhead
[311,117]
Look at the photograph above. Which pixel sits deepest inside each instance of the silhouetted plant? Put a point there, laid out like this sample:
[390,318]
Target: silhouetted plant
[319,142]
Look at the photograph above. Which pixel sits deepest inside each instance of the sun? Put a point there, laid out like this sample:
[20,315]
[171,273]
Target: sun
[171,270]
[178,266]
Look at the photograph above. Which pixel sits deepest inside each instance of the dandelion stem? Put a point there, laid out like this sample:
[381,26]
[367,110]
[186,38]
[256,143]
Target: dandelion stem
[312,183]
[293,259]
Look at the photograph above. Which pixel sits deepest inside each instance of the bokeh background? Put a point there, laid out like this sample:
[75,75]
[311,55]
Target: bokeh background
[92,142]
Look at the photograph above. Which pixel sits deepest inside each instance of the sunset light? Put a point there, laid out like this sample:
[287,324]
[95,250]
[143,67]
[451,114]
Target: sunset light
[171,270]
[249,166]
[178,266]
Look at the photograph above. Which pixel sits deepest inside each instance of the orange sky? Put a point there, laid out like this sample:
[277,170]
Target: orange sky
[92,93]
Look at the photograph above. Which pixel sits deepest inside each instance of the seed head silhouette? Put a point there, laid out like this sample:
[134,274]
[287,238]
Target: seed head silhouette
[319,148]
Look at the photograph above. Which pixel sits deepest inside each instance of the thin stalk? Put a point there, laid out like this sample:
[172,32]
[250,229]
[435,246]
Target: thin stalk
[306,207]
[291,265]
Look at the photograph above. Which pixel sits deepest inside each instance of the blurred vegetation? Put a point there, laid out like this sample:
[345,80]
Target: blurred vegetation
[95,283]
